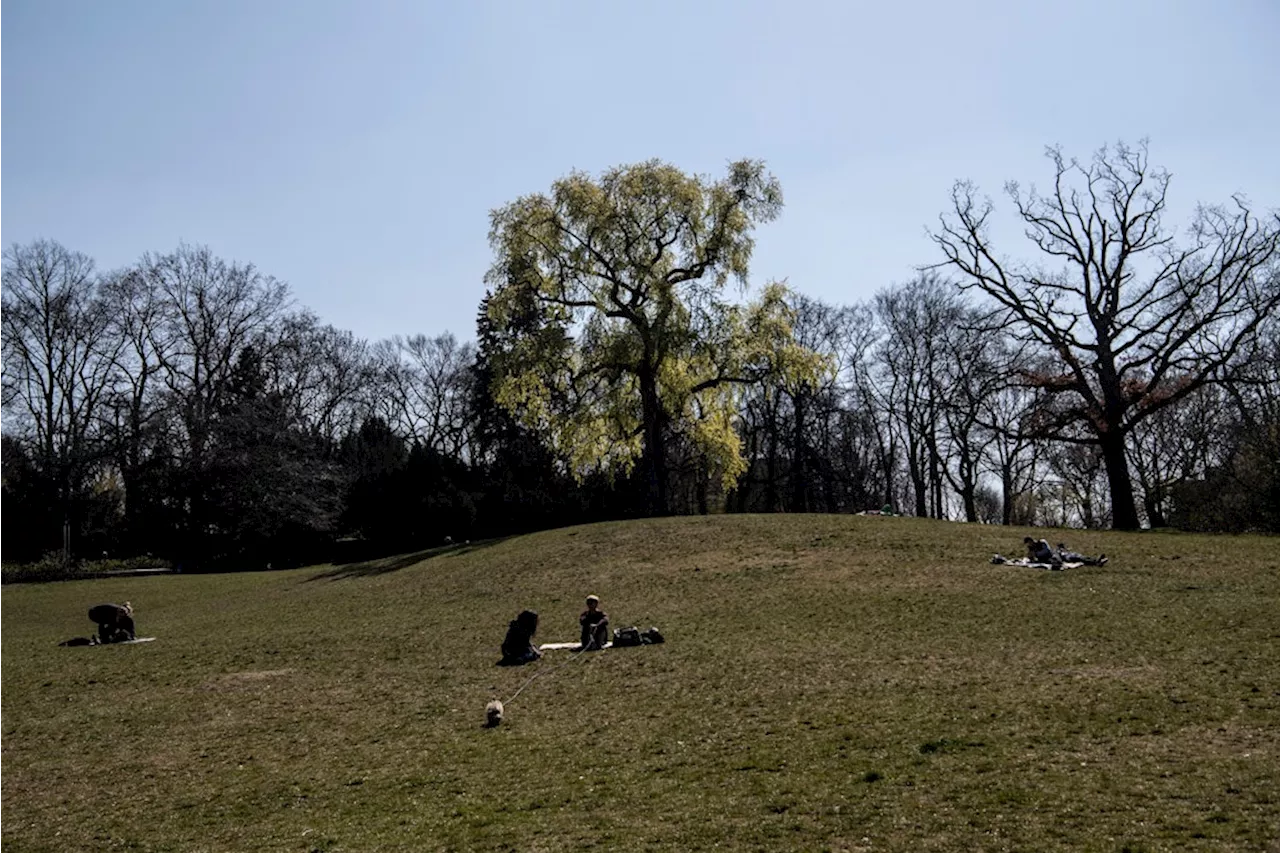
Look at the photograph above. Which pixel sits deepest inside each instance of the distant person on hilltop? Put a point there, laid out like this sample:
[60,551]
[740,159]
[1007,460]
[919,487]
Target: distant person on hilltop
[517,647]
[595,625]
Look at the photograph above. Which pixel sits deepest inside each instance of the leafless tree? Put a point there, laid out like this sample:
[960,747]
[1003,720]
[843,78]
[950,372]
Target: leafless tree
[972,373]
[917,319]
[1177,444]
[427,383]
[325,374]
[1133,321]
[1011,452]
[135,413]
[57,361]
[212,310]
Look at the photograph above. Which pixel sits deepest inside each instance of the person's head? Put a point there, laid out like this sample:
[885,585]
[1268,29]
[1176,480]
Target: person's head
[593,602]
[528,620]
[1027,540]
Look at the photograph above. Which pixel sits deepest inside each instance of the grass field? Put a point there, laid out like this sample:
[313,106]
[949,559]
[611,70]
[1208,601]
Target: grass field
[828,683]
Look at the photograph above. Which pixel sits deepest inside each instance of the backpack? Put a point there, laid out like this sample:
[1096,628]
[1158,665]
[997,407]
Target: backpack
[652,637]
[627,637]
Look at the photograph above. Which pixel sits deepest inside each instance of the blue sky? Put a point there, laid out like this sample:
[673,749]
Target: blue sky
[355,149]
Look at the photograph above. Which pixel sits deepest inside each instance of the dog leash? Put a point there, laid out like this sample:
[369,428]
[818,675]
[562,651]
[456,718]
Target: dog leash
[572,659]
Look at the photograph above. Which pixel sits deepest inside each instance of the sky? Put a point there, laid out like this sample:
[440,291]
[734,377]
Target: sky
[355,148]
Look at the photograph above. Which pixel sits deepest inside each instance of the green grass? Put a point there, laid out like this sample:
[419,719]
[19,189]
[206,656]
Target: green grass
[828,683]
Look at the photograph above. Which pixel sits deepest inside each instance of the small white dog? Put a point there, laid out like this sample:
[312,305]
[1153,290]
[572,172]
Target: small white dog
[493,713]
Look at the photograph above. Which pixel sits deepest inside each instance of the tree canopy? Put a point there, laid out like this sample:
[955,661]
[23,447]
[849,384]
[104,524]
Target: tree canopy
[618,339]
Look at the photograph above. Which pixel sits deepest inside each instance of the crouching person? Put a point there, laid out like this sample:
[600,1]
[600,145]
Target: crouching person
[115,622]
[518,646]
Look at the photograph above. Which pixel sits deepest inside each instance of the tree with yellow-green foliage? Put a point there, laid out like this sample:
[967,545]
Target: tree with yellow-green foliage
[613,333]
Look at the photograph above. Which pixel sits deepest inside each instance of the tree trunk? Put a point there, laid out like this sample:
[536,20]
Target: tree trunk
[1006,483]
[1153,502]
[1124,510]
[799,468]
[653,460]
[969,496]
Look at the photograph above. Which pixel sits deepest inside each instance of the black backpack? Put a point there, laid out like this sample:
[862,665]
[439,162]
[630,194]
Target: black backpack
[627,637]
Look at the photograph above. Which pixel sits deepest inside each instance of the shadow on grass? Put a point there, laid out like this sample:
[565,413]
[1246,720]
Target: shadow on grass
[386,565]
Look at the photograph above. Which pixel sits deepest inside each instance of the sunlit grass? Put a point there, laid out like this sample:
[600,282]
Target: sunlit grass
[834,683]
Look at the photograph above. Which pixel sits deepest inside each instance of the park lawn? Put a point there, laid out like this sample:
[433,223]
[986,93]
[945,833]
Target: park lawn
[828,683]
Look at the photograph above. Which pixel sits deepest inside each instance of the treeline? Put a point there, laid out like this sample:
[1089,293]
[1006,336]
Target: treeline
[186,408]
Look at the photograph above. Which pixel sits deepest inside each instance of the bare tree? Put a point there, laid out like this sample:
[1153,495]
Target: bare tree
[428,384]
[213,312]
[917,319]
[57,361]
[325,374]
[135,412]
[1177,444]
[973,373]
[1133,321]
[1010,450]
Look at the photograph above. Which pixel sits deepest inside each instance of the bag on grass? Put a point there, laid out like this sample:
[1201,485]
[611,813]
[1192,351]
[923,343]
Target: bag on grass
[627,637]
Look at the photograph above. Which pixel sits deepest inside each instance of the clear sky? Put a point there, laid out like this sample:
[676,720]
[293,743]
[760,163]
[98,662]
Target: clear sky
[354,148]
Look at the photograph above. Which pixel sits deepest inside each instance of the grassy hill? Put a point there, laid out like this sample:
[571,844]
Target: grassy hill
[828,683]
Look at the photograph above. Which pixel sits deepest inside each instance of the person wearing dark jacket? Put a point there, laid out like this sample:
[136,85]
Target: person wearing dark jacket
[115,622]
[517,647]
[1038,551]
[595,625]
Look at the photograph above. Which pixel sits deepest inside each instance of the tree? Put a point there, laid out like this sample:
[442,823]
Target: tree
[326,375]
[633,343]
[135,411]
[58,356]
[212,310]
[427,389]
[273,493]
[917,318]
[803,435]
[1131,321]
[1010,450]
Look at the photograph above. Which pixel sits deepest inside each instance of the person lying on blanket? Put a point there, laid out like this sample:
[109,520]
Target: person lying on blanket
[595,625]
[1069,556]
[115,622]
[518,646]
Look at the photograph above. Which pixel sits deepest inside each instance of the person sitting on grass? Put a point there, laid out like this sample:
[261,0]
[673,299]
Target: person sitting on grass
[1038,551]
[518,646]
[115,622]
[1069,556]
[595,625]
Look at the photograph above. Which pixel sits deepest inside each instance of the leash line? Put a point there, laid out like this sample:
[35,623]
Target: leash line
[573,658]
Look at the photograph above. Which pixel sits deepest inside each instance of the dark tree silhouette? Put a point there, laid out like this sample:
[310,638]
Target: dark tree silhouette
[1132,322]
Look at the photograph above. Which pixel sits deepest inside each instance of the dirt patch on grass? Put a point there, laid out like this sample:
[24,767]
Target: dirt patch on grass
[233,680]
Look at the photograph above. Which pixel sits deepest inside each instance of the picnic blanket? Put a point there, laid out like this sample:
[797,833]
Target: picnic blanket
[92,641]
[551,647]
[1027,563]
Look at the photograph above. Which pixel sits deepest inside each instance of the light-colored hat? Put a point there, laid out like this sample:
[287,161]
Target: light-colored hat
[594,598]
